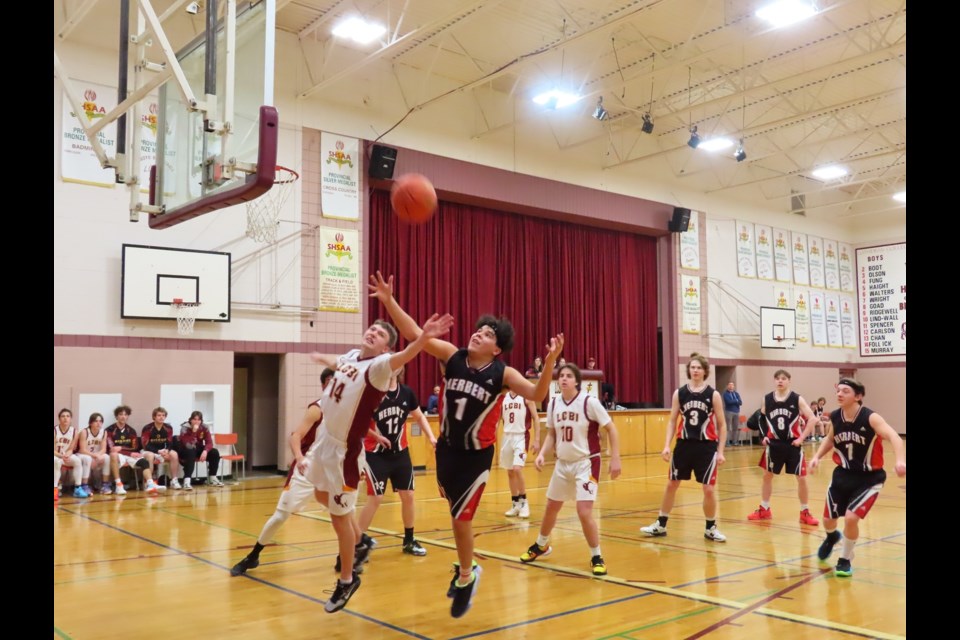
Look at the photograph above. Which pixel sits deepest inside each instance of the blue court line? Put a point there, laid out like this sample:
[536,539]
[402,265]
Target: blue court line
[255,579]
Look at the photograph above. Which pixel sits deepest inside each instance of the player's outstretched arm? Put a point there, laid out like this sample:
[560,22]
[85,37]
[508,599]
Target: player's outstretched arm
[382,290]
[437,325]
[514,381]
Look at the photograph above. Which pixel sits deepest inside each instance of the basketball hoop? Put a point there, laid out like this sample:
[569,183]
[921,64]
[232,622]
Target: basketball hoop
[186,313]
[263,213]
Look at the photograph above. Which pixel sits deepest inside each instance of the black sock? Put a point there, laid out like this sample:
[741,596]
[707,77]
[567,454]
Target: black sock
[711,524]
[515,499]
[522,496]
[257,548]
[364,539]
[407,535]
[833,536]
[662,520]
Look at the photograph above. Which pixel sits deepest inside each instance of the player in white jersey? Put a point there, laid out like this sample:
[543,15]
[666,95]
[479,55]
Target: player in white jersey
[93,453]
[64,444]
[297,490]
[362,377]
[574,421]
[518,416]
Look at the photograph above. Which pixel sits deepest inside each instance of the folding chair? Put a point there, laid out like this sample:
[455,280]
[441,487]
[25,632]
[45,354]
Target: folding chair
[743,429]
[229,440]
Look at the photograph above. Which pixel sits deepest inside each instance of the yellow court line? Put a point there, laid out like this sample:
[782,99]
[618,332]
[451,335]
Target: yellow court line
[733,604]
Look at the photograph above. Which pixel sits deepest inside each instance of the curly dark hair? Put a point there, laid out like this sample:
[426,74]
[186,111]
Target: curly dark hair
[502,327]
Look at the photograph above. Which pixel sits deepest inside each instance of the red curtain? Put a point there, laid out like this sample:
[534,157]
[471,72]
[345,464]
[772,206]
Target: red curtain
[598,287]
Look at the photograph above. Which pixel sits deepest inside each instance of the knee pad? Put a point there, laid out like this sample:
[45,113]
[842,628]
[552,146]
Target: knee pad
[142,463]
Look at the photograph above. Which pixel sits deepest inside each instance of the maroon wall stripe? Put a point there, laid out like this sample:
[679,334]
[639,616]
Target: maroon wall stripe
[180,344]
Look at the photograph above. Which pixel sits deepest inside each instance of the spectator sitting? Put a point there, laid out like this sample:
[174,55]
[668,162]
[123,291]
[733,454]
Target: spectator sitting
[535,369]
[434,400]
[196,445]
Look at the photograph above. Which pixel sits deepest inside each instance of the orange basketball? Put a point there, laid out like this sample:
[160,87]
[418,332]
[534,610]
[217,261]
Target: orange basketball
[413,198]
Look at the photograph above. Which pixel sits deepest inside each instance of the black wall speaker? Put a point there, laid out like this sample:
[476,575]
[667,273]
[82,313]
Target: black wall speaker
[382,160]
[680,221]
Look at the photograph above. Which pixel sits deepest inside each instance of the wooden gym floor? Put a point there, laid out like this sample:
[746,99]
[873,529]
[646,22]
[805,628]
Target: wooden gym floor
[159,567]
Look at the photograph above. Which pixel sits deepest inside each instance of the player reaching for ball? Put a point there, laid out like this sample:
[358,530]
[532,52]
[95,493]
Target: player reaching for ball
[474,381]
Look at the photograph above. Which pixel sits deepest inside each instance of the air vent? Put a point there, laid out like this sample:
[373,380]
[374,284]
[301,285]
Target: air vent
[798,203]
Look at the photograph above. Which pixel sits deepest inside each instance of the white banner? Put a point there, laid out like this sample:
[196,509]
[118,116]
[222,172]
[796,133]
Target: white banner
[847,278]
[339,270]
[781,255]
[834,337]
[882,279]
[690,244]
[815,256]
[78,162]
[339,177]
[801,305]
[148,140]
[848,322]
[764,250]
[801,273]
[745,250]
[831,265]
[818,319]
[690,285]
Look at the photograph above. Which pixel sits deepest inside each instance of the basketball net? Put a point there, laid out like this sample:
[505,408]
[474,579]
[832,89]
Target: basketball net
[186,313]
[264,212]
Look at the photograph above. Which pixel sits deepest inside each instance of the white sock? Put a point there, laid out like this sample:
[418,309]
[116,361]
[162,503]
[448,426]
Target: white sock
[542,541]
[848,548]
[765,504]
[804,507]
[595,551]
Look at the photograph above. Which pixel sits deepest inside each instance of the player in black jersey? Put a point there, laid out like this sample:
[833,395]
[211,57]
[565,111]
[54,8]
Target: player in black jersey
[697,420]
[787,421]
[390,460]
[854,435]
[474,380]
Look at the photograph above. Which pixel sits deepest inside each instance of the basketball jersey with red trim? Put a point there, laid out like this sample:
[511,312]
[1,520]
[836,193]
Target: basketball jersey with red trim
[696,420]
[62,440]
[307,440]
[353,394]
[96,443]
[576,426]
[471,403]
[516,416]
[391,419]
[856,446]
[782,417]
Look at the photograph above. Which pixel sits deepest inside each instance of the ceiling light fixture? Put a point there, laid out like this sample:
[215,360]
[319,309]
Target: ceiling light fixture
[600,113]
[831,172]
[900,196]
[359,30]
[694,140]
[784,12]
[740,155]
[556,99]
[715,144]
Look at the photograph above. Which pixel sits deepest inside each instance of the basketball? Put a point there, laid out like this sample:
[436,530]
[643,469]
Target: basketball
[413,198]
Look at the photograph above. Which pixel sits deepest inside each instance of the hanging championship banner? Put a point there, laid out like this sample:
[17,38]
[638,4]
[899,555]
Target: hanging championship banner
[690,243]
[832,316]
[831,265]
[848,322]
[339,177]
[746,262]
[148,140]
[801,305]
[815,259]
[339,270]
[781,255]
[764,252]
[818,319]
[845,267]
[78,162]
[691,303]
[801,270]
